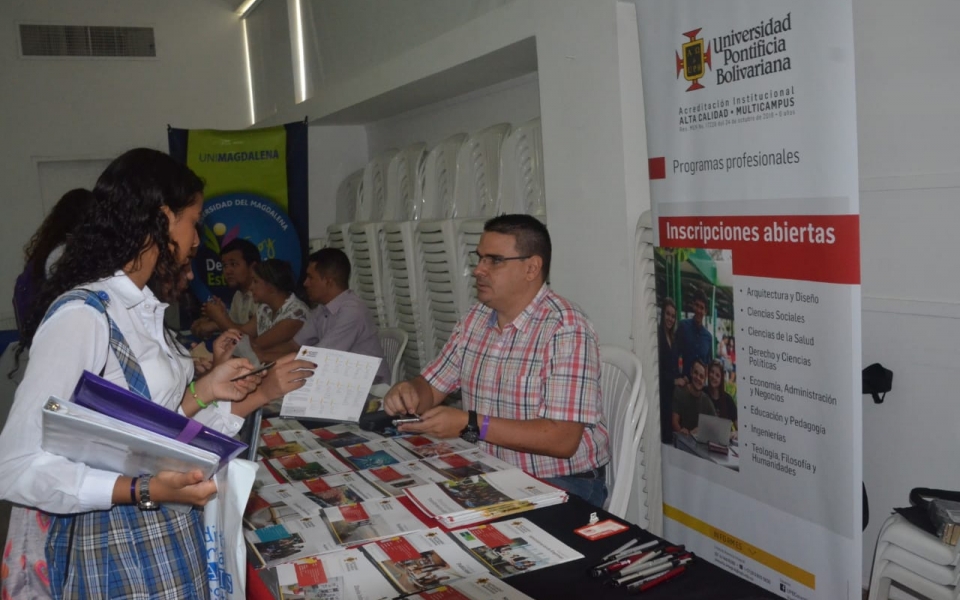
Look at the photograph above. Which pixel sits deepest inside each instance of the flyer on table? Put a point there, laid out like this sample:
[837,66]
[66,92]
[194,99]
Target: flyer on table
[751,130]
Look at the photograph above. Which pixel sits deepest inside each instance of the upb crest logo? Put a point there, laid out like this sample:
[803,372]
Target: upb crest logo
[694,61]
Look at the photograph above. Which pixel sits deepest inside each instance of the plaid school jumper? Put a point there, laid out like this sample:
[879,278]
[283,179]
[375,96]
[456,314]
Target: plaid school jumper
[125,552]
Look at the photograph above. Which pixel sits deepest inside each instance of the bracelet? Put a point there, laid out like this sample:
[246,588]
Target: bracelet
[133,490]
[193,392]
[483,427]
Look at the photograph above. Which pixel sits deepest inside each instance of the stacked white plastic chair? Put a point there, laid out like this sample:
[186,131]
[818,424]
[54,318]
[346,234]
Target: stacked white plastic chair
[367,241]
[915,560]
[338,235]
[648,501]
[478,174]
[521,171]
[625,409]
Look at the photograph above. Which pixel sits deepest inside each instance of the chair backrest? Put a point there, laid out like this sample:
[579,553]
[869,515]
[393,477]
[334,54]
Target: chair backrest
[393,340]
[621,384]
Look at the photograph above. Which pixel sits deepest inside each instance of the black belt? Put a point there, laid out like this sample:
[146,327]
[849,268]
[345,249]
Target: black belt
[598,473]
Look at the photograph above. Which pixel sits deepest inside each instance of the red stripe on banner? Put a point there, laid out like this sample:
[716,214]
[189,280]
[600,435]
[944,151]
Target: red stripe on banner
[824,248]
[657,167]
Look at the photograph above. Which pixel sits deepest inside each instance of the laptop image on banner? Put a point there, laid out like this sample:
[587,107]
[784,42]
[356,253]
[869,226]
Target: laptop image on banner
[713,430]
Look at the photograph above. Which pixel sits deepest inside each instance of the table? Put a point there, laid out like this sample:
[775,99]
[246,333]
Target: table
[701,581]
[687,443]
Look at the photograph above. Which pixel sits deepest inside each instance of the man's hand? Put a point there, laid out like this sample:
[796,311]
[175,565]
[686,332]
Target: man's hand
[439,421]
[203,327]
[402,399]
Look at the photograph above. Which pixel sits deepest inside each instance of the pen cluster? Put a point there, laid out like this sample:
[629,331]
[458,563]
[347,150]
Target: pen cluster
[639,567]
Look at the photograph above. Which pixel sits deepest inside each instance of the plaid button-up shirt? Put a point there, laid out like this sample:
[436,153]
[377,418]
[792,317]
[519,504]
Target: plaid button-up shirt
[543,365]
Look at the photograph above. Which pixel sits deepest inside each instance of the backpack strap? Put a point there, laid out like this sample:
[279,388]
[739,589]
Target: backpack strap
[125,356]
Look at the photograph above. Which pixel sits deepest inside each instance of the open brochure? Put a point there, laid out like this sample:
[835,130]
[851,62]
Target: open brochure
[372,454]
[393,479]
[514,546]
[422,560]
[424,446]
[308,465]
[467,464]
[475,587]
[370,520]
[483,497]
[290,540]
[342,575]
[338,388]
[308,497]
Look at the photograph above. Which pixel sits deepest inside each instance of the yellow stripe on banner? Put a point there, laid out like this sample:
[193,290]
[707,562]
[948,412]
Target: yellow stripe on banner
[749,550]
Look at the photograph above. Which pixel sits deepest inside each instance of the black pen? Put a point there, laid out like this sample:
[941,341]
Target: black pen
[259,369]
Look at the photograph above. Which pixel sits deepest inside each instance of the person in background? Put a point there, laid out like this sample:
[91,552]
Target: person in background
[690,401]
[341,320]
[107,535]
[723,404]
[694,342]
[280,314]
[528,365]
[45,248]
[238,258]
[669,366]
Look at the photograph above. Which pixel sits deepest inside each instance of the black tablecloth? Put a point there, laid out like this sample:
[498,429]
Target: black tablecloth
[701,581]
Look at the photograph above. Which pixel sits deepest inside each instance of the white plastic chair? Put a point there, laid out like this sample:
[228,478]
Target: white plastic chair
[372,194]
[437,179]
[914,559]
[346,200]
[393,341]
[625,410]
[402,183]
[521,171]
[478,174]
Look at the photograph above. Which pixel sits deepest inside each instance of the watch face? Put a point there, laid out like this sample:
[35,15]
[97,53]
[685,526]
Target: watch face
[470,436]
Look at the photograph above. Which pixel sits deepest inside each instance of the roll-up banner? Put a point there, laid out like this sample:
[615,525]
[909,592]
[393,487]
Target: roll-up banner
[256,189]
[751,124]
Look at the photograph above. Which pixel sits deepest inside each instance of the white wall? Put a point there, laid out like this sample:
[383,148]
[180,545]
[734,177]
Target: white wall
[98,108]
[909,135]
[334,153]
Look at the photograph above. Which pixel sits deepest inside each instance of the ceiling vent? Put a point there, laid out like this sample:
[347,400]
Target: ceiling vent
[87,41]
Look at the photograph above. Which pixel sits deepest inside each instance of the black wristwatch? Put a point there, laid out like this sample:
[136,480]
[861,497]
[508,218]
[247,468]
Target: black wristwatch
[145,502]
[471,433]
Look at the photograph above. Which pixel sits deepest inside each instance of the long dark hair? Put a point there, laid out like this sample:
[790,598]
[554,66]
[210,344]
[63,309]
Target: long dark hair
[65,216]
[277,273]
[124,219]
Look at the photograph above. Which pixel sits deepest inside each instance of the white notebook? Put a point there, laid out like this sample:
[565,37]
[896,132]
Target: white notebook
[102,442]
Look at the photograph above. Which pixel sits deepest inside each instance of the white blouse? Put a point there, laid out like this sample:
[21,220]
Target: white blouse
[74,339]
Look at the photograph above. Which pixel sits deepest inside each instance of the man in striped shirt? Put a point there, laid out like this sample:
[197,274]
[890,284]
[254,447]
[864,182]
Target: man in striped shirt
[527,363]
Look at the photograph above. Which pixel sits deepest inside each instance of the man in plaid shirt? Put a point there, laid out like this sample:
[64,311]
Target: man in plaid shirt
[528,366]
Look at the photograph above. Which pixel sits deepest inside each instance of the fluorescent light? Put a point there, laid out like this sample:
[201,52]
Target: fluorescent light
[246,47]
[245,7]
[302,66]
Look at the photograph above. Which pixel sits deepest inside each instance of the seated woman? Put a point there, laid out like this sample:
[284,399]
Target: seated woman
[689,402]
[280,314]
[723,403]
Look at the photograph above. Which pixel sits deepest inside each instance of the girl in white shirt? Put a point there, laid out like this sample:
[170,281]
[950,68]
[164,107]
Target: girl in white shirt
[97,541]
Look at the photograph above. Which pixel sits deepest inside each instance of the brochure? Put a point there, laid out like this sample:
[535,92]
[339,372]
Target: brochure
[424,446]
[393,479]
[338,388]
[475,587]
[370,520]
[308,465]
[285,442]
[342,575]
[345,434]
[290,540]
[467,464]
[514,546]
[422,560]
[373,454]
[308,497]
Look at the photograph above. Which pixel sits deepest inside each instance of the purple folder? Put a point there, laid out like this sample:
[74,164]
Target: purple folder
[98,394]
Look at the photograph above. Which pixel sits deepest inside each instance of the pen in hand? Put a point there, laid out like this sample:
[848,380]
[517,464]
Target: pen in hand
[259,369]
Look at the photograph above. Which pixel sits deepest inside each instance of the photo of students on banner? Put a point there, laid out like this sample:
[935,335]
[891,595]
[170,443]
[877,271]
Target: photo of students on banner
[697,352]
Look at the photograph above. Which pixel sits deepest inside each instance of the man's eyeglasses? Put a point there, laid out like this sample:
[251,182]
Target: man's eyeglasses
[494,260]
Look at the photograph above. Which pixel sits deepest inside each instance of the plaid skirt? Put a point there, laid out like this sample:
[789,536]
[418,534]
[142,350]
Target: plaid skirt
[127,553]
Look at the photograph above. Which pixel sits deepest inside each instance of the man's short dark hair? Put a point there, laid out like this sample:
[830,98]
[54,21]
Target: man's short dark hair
[332,263]
[530,235]
[248,250]
[700,296]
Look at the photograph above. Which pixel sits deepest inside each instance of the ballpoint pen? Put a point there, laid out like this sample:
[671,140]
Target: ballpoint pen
[661,564]
[621,549]
[646,585]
